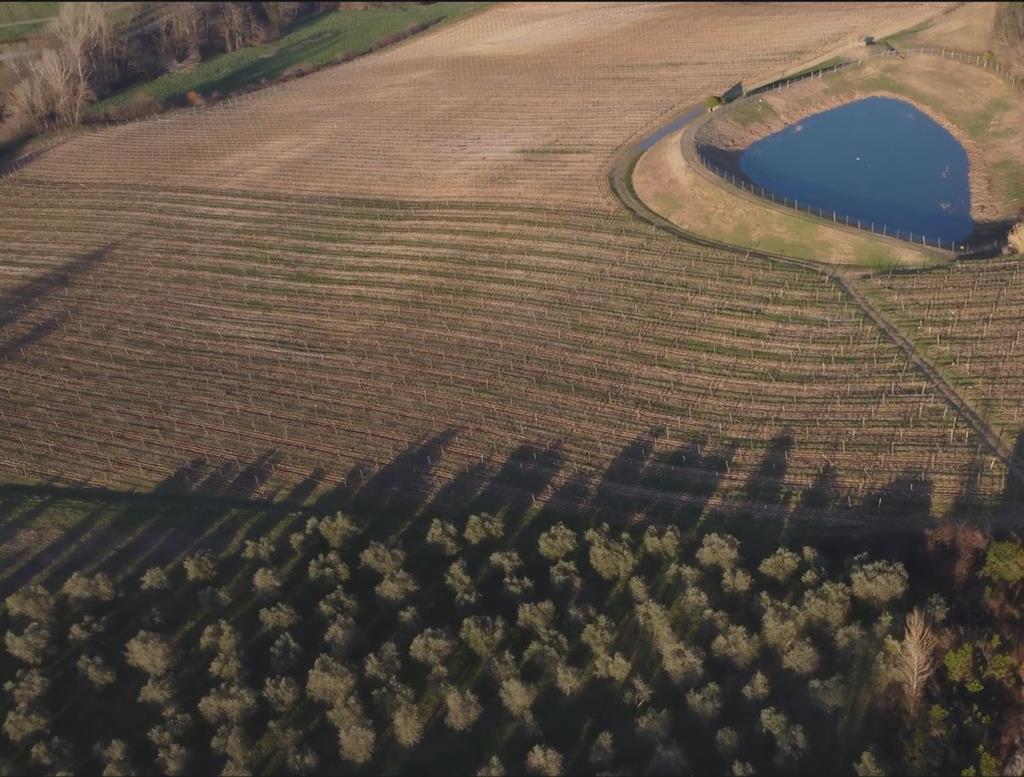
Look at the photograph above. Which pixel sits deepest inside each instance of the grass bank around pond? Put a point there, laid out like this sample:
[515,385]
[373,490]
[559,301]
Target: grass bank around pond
[699,202]
[314,42]
[977,107]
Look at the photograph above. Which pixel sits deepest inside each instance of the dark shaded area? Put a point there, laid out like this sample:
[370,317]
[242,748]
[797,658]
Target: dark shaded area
[251,478]
[396,490]
[460,491]
[687,477]
[307,487]
[1013,493]
[907,497]
[523,478]
[824,491]
[209,504]
[340,496]
[767,484]
[17,304]
[34,336]
[185,478]
[619,492]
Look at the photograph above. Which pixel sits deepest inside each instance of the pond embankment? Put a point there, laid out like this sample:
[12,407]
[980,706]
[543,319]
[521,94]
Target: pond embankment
[976,107]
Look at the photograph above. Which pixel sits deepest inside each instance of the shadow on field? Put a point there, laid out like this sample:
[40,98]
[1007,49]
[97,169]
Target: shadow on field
[49,530]
[1013,494]
[22,301]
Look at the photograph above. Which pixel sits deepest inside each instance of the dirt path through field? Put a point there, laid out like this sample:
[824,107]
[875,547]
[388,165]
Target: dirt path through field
[956,400]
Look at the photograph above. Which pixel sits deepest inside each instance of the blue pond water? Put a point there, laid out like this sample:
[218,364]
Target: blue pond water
[878,160]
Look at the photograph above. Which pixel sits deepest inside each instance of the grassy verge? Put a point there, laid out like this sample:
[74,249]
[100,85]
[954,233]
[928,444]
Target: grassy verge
[19,20]
[315,42]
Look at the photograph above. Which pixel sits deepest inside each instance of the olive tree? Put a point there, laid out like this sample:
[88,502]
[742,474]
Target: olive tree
[31,646]
[444,536]
[384,665]
[33,602]
[200,566]
[407,723]
[458,579]
[518,698]
[461,708]
[329,681]
[483,527]
[149,652]
[718,550]
[878,582]
[96,671]
[281,693]
[544,760]
[611,558]
[482,633]
[557,542]
[781,565]
[154,579]
[433,647]
[737,645]
[80,587]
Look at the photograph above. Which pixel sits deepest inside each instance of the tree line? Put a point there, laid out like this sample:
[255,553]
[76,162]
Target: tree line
[83,55]
[482,647]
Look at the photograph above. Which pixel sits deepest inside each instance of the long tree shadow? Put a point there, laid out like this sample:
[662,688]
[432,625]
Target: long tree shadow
[118,530]
[395,492]
[304,489]
[185,477]
[617,496]
[19,510]
[825,491]
[45,558]
[969,498]
[252,478]
[767,484]
[682,481]
[211,504]
[22,299]
[908,497]
[1012,504]
[522,479]
[19,302]
[457,494]
[340,496]
[38,333]
[570,500]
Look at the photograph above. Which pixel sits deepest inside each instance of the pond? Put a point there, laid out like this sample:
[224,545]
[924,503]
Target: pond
[878,160]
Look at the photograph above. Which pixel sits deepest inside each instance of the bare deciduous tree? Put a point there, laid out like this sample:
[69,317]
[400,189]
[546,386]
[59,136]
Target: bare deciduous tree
[78,51]
[182,30]
[1017,238]
[916,659]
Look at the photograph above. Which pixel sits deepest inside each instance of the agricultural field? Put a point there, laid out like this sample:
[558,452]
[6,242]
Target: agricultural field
[968,318]
[368,423]
[391,296]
